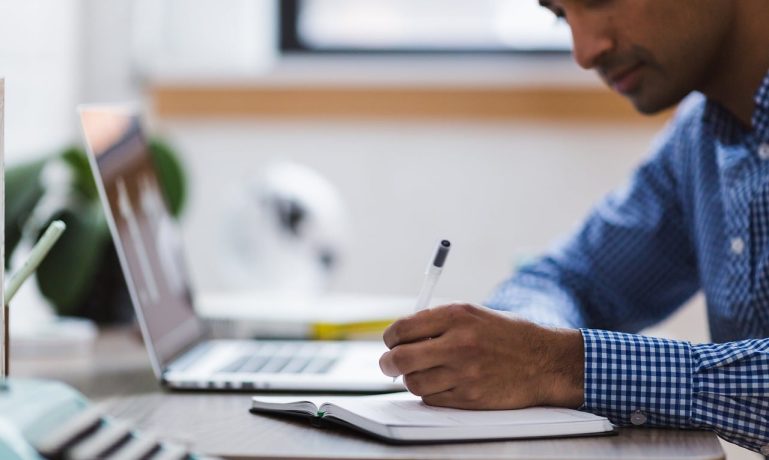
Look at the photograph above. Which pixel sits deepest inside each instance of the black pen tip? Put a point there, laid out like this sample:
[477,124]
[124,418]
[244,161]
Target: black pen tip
[440,255]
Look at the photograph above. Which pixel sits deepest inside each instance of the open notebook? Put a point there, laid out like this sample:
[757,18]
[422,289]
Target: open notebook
[404,418]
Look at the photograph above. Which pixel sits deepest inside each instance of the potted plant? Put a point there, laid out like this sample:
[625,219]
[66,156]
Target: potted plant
[81,276]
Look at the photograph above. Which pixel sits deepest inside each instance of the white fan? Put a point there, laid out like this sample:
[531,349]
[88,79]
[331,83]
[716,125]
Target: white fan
[284,231]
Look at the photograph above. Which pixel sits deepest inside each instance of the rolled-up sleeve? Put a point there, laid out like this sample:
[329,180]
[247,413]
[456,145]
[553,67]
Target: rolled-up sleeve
[629,265]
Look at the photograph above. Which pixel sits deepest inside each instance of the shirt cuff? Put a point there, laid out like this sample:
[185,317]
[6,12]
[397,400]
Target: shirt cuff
[637,380]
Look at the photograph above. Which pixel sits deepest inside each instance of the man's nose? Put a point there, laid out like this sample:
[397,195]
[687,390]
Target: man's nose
[590,42]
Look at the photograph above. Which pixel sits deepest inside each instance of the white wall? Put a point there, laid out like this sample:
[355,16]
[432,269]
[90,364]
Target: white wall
[55,54]
[109,73]
[39,57]
[128,42]
[497,190]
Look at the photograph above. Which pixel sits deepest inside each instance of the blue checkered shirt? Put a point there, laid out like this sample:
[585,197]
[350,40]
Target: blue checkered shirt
[694,216]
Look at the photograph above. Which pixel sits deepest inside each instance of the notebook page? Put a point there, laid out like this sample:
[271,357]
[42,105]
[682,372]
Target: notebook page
[405,409]
[286,404]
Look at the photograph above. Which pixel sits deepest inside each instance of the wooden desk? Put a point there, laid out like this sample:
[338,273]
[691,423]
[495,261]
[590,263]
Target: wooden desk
[220,424]
[118,375]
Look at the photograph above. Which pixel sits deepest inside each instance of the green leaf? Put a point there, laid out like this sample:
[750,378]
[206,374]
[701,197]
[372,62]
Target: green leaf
[170,175]
[22,192]
[83,181]
[65,276]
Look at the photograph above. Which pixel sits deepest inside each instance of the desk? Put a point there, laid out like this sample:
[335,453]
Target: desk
[220,424]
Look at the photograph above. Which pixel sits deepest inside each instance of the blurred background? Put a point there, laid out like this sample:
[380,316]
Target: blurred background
[415,120]
[375,127]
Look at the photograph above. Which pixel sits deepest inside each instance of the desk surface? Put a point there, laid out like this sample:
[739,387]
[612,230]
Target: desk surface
[118,374]
[220,424]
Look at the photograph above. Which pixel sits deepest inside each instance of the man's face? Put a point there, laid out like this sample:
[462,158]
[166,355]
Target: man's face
[654,52]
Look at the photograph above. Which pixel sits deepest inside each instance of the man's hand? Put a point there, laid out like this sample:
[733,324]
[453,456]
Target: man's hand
[471,357]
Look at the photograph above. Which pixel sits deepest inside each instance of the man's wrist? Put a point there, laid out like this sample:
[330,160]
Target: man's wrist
[564,375]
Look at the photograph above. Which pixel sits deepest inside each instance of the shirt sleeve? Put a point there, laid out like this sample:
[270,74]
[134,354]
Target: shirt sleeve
[627,267]
[637,380]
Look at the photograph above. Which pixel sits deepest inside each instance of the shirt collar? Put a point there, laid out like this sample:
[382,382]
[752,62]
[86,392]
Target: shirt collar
[724,126]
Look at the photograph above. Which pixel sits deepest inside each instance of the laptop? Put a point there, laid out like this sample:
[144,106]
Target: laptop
[149,247]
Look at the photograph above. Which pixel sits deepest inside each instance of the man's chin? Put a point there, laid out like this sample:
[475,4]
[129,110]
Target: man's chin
[652,106]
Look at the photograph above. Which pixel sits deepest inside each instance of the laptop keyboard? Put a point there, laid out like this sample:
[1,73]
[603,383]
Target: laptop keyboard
[285,358]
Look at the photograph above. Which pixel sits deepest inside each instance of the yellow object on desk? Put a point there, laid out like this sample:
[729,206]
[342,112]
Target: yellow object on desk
[347,331]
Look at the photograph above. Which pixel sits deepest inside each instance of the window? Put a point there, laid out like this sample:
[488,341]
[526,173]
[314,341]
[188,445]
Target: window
[421,25]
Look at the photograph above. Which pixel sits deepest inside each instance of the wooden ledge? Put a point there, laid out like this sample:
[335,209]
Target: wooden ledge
[588,104]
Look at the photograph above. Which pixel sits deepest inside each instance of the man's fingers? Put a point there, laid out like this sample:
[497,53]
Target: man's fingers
[446,398]
[411,357]
[424,324]
[419,326]
[463,397]
[430,381]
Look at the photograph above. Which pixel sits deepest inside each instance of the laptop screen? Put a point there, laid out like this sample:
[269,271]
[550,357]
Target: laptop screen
[146,237]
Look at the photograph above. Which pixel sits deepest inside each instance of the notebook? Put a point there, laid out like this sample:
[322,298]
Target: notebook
[404,418]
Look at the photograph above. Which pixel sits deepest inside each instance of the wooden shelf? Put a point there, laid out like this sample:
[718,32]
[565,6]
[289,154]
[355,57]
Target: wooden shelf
[568,104]
[403,87]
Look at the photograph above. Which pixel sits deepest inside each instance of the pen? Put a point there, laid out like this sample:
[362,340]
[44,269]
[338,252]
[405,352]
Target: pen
[433,272]
[36,255]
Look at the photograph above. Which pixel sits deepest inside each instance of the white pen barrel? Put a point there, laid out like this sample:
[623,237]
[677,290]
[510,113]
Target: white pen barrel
[426,293]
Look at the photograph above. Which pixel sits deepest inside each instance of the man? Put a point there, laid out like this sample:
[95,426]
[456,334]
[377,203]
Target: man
[694,216]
